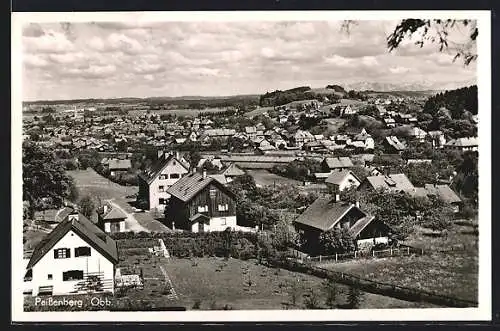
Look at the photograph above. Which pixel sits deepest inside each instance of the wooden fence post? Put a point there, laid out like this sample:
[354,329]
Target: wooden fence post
[391,251]
[408,250]
[422,252]
[320,258]
[335,257]
[373,253]
[355,254]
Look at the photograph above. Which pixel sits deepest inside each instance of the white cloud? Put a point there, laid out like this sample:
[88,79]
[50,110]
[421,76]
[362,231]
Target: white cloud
[339,61]
[399,70]
[50,42]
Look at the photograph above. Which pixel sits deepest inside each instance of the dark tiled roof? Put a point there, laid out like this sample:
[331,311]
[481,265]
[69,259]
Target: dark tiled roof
[190,185]
[323,213]
[89,232]
[338,162]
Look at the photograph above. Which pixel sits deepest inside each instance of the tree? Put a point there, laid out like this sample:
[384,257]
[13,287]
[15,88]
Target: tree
[87,206]
[311,300]
[284,234]
[354,297]
[336,241]
[331,290]
[437,31]
[45,183]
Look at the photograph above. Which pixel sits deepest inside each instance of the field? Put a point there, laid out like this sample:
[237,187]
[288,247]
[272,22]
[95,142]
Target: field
[91,183]
[258,111]
[264,178]
[453,273]
[213,283]
[334,124]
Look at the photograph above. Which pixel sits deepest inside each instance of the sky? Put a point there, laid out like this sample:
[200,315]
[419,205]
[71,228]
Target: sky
[118,59]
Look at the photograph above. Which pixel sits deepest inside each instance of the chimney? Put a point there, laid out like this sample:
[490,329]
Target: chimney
[104,209]
[173,225]
[204,174]
[160,154]
[357,204]
[337,197]
[177,155]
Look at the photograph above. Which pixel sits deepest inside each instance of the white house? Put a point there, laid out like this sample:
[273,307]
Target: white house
[154,182]
[462,144]
[75,257]
[340,180]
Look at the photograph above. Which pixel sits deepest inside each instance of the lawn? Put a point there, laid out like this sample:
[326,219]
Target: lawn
[454,273]
[258,111]
[91,183]
[265,178]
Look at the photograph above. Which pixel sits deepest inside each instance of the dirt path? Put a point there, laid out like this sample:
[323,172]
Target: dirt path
[131,223]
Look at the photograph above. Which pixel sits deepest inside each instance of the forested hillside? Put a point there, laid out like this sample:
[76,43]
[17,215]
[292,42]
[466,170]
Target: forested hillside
[457,101]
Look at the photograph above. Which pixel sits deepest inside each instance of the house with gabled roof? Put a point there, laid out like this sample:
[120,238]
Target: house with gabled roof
[328,213]
[232,171]
[462,144]
[201,203]
[154,182]
[75,257]
[340,180]
[111,219]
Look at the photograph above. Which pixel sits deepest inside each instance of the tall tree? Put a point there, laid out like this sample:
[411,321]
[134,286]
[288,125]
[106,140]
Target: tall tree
[45,184]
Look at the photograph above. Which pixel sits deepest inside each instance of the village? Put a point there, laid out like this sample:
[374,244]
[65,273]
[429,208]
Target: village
[354,196]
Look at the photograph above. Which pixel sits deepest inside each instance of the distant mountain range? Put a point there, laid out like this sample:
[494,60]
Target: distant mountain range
[423,85]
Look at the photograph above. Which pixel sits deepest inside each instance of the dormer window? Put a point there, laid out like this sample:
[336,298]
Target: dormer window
[82,251]
[202,209]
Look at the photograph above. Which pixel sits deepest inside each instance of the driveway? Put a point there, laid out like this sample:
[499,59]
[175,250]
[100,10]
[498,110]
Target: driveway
[131,223]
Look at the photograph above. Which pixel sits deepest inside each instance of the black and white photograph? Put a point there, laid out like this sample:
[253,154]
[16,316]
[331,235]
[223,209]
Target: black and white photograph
[267,166]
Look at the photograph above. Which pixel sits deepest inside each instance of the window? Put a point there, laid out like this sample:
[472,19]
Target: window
[202,209]
[161,188]
[62,253]
[174,176]
[213,192]
[72,275]
[163,177]
[49,276]
[223,221]
[223,207]
[82,251]
[161,201]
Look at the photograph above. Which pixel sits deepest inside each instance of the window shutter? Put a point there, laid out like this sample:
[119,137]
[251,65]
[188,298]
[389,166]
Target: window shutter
[55,253]
[68,252]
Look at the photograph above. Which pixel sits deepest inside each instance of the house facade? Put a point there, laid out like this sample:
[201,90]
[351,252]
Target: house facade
[329,213]
[73,258]
[200,203]
[154,182]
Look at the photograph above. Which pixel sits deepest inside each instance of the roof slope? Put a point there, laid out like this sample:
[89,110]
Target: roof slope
[360,225]
[323,213]
[393,182]
[188,186]
[444,192]
[233,170]
[336,177]
[89,232]
[114,213]
[338,162]
[150,174]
